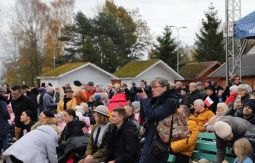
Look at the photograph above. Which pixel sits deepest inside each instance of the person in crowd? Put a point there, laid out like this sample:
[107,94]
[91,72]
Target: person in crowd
[130,98]
[178,87]
[249,111]
[73,126]
[217,87]
[48,102]
[190,97]
[79,114]
[57,94]
[207,83]
[236,109]
[110,90]
[182,149]
[222,109]
[61,124]
[228,129]
[201,89]
[105,98]
[45,118]
[119,99]
[32,95]
[97,145]
[19,104]
[233,92]
[146,88]
[26,118]
[152,111]
[234,80]
[91,89]
[243,149]
[4,117]
[78,94]
[7,94]
[87,111]
[130,112]
[211,100]
[42,91]
[133,90]
[38,146]
[68,102]
[123,144]
[136,105]
[25,89]
[201,115]
[220,98]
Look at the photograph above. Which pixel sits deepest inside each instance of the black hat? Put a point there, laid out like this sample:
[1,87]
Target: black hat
[77,83]
[211,87]
[48,114]
[251,104]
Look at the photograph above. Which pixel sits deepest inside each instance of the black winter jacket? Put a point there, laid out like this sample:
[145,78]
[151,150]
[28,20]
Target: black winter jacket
[21,104]
[72,129]
[123,144]
[4,116]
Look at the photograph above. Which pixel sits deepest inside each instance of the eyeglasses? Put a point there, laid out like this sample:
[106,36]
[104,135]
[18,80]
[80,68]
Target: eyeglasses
[156,86]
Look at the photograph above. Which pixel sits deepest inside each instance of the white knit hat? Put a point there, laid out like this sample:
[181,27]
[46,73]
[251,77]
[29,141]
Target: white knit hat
[222,129]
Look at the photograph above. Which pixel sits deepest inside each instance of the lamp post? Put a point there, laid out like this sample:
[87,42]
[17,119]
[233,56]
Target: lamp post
[178,47]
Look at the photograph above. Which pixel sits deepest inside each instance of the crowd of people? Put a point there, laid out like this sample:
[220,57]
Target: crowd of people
[122,124]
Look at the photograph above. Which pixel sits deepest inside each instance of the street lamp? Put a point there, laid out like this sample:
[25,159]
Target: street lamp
[178,47]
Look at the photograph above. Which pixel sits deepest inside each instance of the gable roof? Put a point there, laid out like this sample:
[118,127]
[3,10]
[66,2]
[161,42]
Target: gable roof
[63,69]
[134,68]
[68,68]
[248,67]
[193,71]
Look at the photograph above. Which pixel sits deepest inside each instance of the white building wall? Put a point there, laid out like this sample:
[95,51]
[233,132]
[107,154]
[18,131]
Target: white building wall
[157,71]
[54,82]
[148,76]
[85,75]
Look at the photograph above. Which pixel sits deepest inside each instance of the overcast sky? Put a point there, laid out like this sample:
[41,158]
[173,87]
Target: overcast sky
[159,13]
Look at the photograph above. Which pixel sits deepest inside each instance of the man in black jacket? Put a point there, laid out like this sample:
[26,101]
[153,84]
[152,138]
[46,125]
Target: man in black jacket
[21,103]
[193,95]
[123,145]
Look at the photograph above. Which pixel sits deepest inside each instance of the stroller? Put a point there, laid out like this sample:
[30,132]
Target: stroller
[74,149]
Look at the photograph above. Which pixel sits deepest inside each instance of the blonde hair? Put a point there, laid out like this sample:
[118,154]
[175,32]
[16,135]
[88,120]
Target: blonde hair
[242,148]
[223,106]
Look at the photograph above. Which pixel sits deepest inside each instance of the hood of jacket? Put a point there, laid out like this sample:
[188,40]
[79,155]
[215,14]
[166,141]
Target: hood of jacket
[49,130]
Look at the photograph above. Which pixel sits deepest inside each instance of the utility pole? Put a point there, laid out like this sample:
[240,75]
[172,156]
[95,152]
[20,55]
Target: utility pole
[178,46]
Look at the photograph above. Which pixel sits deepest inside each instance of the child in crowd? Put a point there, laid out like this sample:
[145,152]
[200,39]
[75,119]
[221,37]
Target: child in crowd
[242,149]
[61,124]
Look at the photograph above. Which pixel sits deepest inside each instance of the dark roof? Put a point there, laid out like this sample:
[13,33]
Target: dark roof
[63,69]
[134,68]
[193,71]
[248,68]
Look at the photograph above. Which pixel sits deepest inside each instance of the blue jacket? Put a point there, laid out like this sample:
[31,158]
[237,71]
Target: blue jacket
[4,116]
[155,110]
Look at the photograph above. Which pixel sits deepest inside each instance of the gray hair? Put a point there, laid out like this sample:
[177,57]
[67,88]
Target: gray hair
[246,87]
[199,102]
[161,81]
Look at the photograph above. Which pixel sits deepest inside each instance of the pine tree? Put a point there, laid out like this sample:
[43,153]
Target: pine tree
[209,43]
[166,48]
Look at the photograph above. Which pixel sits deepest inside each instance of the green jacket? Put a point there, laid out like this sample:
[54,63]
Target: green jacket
[101,153]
